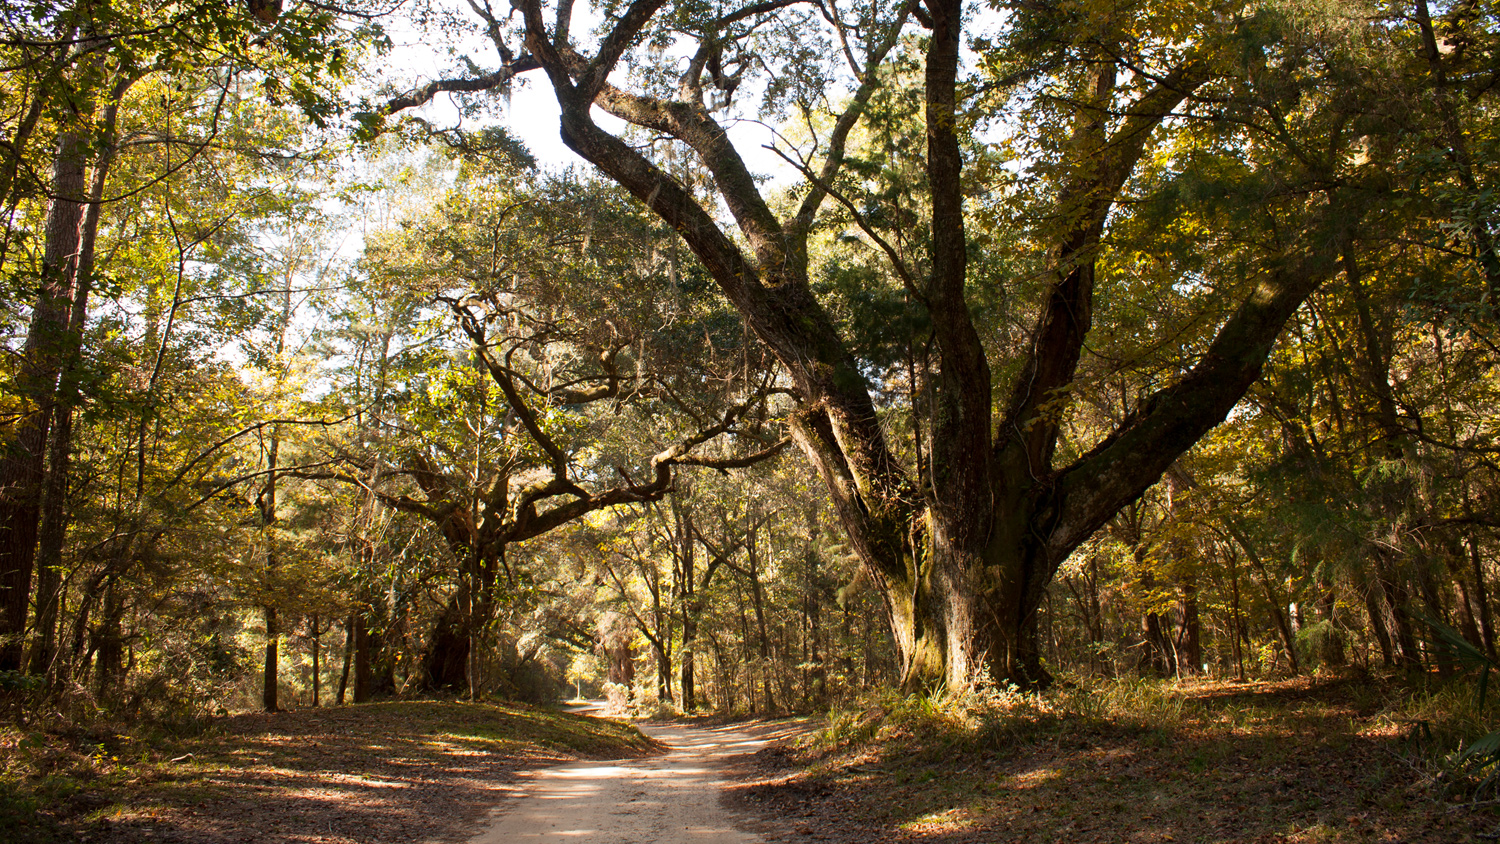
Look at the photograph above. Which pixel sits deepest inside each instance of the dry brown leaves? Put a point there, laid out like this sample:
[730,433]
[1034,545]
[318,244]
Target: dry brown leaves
[1305,769]
[393,772]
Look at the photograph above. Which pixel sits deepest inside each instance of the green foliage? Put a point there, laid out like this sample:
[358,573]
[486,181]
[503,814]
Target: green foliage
[12,681]
[990,720]
[1481,758]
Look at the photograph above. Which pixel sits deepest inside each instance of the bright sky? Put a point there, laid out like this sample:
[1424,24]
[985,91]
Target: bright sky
[532,114]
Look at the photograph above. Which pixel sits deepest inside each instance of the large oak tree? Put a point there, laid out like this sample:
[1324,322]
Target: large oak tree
[964,531]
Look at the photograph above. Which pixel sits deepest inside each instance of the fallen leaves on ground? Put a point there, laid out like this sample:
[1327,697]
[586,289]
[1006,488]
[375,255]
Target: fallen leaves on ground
[1295,762]
[388,772]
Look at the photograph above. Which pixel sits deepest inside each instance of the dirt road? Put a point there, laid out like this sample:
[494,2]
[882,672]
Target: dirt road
[668,799]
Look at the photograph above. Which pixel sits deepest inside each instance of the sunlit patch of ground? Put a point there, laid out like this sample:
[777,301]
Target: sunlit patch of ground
[1300,762]
[410,771]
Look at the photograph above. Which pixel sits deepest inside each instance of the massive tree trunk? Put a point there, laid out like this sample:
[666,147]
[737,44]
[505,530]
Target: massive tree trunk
[449,661]
[453,648]
[962,549]
[619,654]
[446,660]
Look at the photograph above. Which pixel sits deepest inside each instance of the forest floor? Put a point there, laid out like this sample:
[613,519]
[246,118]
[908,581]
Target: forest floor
[385,772]
[1305,761]
[1297,761]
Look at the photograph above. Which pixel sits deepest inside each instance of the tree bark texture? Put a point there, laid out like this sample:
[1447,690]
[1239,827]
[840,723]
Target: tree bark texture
[24,455]
[53,517]
[365,646]
[446,661]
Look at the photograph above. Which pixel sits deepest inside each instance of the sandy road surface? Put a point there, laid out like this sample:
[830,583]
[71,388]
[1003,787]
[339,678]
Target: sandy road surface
[669,799]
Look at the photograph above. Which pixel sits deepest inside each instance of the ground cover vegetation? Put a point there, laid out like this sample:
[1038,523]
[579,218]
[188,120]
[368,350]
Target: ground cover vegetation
[1299,760]
[957,349]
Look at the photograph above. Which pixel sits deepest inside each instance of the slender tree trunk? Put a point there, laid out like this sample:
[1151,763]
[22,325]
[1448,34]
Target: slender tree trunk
[747,659]
[267,502]
[758,603]
[1236,615]
[1186,645]
[109,645]
[1096,610]
[664,663]
[268,517]
[721,664]
[348,658]
[1392,496]
[1451,558]
[1281,621]
[317,668]
[363,669]
[1279,617]
[818,673]
[268,693]
[687,656]
[690,603]
[1457,144]
[1455,561]
[1476,595]
[1154,658]
[1481,592]
[74,667]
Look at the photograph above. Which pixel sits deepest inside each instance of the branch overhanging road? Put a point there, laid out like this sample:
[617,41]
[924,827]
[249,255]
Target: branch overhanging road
[667,799]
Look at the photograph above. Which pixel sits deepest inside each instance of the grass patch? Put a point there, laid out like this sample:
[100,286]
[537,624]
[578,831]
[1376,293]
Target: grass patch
[1303,760]
[391,771]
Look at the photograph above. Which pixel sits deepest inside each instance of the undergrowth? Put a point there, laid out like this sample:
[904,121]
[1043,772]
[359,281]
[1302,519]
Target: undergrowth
[1434,720]
[990,719]
[1440,724]
[1326,759]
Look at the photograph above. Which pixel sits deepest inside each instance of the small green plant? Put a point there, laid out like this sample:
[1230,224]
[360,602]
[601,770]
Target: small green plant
[19,681]
[849,726]
[1482,757]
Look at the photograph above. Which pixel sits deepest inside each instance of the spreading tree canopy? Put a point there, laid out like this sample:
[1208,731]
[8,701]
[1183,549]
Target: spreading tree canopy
[963,521]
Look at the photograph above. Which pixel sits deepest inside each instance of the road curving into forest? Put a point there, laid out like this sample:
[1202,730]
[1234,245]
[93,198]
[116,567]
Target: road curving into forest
[673,798]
